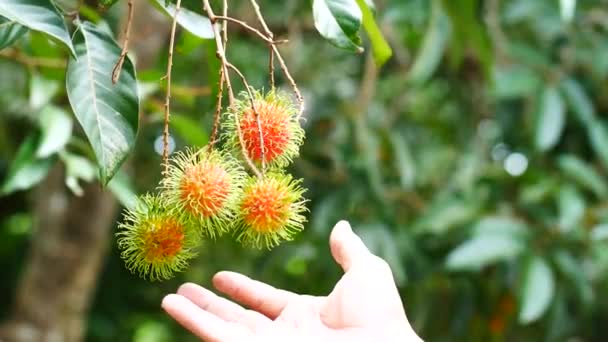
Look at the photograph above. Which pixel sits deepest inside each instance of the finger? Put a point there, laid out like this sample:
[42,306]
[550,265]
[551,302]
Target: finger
[221,307]
[258,296]
[346,246]
[201,323]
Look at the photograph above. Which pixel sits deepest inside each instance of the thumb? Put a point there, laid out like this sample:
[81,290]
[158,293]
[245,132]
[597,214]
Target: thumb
[346,247]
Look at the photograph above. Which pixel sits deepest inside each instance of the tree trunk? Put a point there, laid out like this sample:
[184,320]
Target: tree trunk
[69,242]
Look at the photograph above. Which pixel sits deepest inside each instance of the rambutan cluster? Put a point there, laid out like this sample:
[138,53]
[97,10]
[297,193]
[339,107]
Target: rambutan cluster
[206,193]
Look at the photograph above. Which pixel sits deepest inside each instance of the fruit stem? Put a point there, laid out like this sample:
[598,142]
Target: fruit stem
[125,45]
[255,111]
[168,97]
[220,52]
[218,109]
[275,50]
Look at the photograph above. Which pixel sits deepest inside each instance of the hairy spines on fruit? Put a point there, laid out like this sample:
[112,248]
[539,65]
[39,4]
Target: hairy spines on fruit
[154,241]
[270,210]
[281,132]
[205,186]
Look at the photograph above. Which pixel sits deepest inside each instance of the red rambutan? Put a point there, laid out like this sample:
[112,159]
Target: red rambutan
[205,185]
[155,243]
[281,132]
[270,210]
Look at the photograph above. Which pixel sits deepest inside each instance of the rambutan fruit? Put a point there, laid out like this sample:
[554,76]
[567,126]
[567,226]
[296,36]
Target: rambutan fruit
[270,210]
[205,185]
[281,132]
[154,241]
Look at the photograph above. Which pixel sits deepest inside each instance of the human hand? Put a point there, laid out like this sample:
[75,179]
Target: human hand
[363,306]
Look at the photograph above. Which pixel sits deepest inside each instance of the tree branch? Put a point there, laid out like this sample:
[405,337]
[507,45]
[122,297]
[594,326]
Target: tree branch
[125,45]
[220,52]
[168,97]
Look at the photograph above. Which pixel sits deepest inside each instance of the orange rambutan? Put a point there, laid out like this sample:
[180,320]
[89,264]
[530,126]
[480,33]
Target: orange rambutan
[270,210]
[277,138]
[154,241]
[205,185]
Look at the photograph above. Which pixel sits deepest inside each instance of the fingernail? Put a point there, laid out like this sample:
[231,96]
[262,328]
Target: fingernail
[343,224]
[166,299]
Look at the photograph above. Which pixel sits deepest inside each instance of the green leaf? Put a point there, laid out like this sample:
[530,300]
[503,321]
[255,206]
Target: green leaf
[537,290]
[484,250]
[195,23]
[404,161]
[380,48]
[191,131]
[469,33]
[108,113]
[123,190]
[578,100]
[42,91]
[25,170]
[56,127]
[514,81]
[551,120]
[568,265]
[500,225]
[445,214]
[10,31]
[599,232]
[598,136]
[77,168]
[107,3]
[339,22]
[38,15]
[571,208]
[583,174]
[567,9]
[434,44]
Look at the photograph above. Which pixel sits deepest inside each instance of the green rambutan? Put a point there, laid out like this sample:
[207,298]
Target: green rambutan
[270,210]
[282,134]
[154,242]
[205,185]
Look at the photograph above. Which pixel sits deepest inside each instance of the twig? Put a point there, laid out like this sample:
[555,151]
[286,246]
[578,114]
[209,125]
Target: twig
[248,27]
[269,33]
[220,52]
[168,97]
[30,61]
[218,109]
[299,96]
[255,111]
[225,25]
[271,67]
[258,14]
[125,45]
[276,51]
[220,87]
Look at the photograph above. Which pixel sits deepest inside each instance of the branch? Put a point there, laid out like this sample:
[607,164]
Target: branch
[255,111]
[276,51]
[218,109]
[168,97]
[299,96]
[220,52]
[125,45]
[30,61]
[220,86]
[271,67]
[260,17]
[248,27]
[225,24]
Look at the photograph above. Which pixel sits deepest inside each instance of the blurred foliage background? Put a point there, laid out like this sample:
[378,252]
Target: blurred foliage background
[474,161]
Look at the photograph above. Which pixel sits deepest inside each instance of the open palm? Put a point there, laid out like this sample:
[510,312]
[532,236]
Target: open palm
[364,305]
